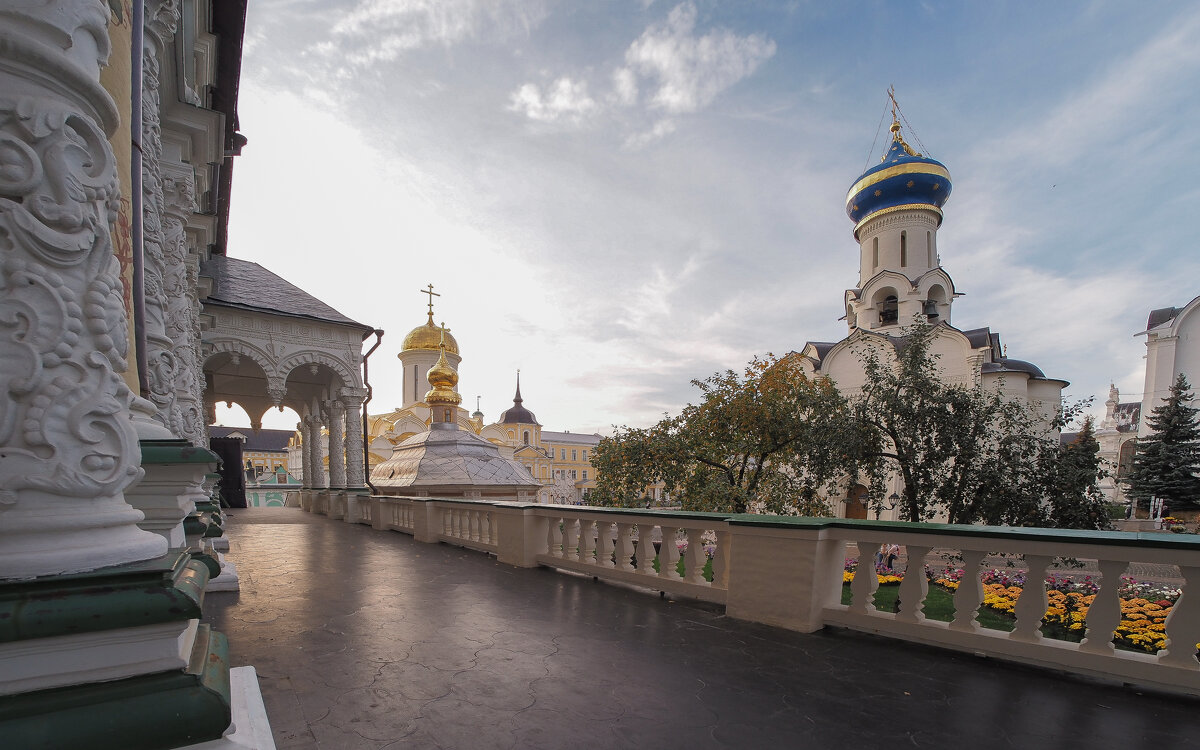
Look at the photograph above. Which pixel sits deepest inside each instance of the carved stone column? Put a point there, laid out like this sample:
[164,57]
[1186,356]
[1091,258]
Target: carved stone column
[161,18]
[355,472]
[337,445]
[305,452]
[69,448]
[180,282]
[316,474]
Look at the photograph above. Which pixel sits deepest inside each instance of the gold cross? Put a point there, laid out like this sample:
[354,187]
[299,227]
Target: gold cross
[445,330]
[431,294]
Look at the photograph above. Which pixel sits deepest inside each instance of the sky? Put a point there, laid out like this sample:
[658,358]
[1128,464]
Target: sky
[617,197]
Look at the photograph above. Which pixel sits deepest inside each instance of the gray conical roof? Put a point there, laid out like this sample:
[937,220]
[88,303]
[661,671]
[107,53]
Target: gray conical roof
[449,461]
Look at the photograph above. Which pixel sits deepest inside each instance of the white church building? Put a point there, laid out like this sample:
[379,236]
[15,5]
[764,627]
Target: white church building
[896,207]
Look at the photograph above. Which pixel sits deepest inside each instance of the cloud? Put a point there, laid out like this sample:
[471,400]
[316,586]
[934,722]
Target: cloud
[690,70]
[682,73]
[563,100]
[381,30]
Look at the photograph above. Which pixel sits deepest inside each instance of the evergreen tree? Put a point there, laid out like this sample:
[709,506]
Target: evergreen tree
[1167,463]
[1071,475]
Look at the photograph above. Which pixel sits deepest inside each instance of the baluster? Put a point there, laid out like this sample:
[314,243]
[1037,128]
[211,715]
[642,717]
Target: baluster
[587,541]
[970,593]
[668,554]
[645,549]
[624,546]
[1183,624]
[570,539]
[863,586]
[475,519]
[915,586]
[1104,614]
[1031,604]
[554,536]
[604,544]
[693,566]
[721,560]
[487,534]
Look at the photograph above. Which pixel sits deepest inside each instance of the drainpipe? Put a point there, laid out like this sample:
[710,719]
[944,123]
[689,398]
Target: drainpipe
[135,184]
[365,427]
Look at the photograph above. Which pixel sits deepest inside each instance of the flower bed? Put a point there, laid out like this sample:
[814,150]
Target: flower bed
[1145,606]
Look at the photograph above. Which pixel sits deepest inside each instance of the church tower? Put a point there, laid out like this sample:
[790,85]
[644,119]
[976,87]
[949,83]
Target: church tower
[896,207]
[420,352]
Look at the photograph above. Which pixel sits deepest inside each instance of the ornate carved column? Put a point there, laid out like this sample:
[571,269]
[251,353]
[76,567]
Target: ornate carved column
[355,472]
[69,448]
[316,475]
[305,451]
[162,16]
[337,445]
[180,282]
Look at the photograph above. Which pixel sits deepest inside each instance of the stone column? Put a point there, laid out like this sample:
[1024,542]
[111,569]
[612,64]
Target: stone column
[180,282]
[316,473]
[355,472]
[69,447]
[161,18]
[337,445]
[305,452]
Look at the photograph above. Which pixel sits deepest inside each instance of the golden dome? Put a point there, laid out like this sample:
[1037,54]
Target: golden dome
[428,336]
[442,377]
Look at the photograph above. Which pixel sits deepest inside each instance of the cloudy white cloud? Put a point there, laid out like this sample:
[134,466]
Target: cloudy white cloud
[689,70]
[563,100]
[381,30]
[682,72]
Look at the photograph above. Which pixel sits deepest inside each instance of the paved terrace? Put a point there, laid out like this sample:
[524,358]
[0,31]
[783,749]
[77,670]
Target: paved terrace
[369,639]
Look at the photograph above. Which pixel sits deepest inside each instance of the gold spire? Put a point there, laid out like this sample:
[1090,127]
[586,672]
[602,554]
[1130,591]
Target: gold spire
[896,137]
[443,378]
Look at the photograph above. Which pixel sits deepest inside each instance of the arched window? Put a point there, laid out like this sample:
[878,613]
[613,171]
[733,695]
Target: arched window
[929,247]
[889,311]
[874,253]
[904,249]
[526,437]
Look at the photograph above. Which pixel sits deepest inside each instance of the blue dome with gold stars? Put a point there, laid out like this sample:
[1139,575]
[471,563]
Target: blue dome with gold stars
[904,179]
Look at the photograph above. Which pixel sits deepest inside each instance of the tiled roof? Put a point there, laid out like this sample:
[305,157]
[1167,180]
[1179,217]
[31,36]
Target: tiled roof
[263,440]
[445,457]
[571,437]
[241,283]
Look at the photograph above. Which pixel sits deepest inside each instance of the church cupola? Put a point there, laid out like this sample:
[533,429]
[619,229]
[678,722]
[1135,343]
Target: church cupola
[422,348]
[442,399]
[896,207]
[518,414]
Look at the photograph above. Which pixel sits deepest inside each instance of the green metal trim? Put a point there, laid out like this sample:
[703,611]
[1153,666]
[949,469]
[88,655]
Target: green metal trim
[151,712]
[209,561]
[175,452]
[167,589]
[1069,536]
[195,524]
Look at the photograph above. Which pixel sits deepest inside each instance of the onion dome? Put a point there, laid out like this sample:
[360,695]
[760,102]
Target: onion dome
[904,180]
[518,414]
[428,336]
[443,378]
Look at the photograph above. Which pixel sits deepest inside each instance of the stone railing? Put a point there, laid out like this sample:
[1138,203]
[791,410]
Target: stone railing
[788,572]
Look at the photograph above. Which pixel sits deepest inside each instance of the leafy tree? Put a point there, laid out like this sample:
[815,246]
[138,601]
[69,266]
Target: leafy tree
[764,441]
[1167,462]
[962,450]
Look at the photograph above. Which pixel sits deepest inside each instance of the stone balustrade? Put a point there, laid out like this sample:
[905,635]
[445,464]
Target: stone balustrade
[788,572]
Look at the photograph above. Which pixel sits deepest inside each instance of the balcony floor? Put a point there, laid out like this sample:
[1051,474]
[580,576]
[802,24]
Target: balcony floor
[369,639]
